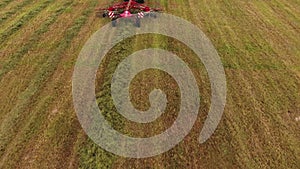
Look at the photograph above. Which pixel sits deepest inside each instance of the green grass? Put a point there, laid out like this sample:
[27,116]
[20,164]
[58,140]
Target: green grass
[12,62]
[30,128]
[91,155]
[17,8]
[11,124]
[4,3]
[23,21]
[258,45]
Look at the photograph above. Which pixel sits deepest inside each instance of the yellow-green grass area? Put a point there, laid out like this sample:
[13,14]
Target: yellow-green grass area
[13,9]
[34,23]
[5,3]
[259,46]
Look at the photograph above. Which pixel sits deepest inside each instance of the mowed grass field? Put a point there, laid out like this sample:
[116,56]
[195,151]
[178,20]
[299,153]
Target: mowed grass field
[258,43]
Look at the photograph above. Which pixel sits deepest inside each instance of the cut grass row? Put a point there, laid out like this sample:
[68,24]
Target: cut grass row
[97,157]
[257,55]
[61,126]
[5,3]
[17,8]
[275,131]
[29,130]
[30,63]
[10,63]
[247,54]
[285,27]
[265,86]
[44,27]
[91,155]
[23,20]
[46,70]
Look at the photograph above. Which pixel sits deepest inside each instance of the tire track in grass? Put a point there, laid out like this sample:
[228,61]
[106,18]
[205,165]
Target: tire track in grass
[166,160]
[17,8]
[86,153]
[13,61]
[23,20]
[9,127]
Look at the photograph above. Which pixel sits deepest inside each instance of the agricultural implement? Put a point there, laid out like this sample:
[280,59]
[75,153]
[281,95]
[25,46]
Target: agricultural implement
[132,9]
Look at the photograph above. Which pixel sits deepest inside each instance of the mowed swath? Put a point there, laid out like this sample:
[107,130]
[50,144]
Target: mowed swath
[259,45]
